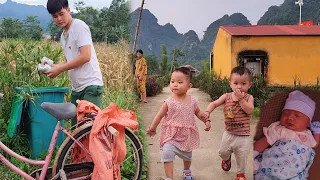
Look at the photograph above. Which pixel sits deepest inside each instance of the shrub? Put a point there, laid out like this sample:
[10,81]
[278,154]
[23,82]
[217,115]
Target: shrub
[201,80]
[152,86]
[214,86]
[259,91]
[163,81]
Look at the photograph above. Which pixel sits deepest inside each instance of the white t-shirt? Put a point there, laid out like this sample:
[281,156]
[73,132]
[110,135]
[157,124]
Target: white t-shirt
[89,73]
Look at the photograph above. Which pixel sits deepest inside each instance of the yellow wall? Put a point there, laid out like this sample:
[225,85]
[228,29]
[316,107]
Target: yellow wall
[222,54]
[289,56]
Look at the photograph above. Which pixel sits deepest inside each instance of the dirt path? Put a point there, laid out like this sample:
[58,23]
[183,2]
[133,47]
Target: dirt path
[206,164]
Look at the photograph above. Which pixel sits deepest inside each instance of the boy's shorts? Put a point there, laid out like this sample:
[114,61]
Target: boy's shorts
[169,152]
[91,93]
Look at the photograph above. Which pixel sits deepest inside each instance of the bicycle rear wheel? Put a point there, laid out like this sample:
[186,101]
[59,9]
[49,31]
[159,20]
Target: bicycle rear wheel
[131,168]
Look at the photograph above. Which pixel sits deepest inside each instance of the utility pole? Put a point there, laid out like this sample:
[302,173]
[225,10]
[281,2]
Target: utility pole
[137,33]
[300,3]
[173,59]
[137,29]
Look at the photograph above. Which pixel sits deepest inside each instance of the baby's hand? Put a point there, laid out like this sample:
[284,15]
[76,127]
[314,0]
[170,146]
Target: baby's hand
[208,125]
[204,115]
[151,132]
[315,127]
[238,93]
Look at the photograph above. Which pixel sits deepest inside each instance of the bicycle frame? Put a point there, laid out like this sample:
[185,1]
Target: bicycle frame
[44,163]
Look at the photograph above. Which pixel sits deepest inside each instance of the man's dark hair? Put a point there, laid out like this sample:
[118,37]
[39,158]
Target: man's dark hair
[54,6]
[140,51]
[186,71]
[241,71]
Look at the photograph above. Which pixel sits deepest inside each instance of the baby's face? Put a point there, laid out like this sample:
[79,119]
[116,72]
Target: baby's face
[241,82]
[294,120]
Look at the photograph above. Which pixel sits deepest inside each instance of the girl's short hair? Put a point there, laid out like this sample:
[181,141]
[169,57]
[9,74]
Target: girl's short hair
[186,71]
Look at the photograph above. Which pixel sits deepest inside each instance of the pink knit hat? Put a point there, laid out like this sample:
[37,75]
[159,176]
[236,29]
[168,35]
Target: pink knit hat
[300,102]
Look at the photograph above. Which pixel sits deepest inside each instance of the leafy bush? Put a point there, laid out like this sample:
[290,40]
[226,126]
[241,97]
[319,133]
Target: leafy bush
[259,91]
[152,86]
[163,81]
[214,86]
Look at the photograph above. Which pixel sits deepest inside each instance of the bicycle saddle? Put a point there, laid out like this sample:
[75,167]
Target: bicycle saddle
[61,111]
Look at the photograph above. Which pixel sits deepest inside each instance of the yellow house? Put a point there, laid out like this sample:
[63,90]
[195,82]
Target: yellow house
[282,54]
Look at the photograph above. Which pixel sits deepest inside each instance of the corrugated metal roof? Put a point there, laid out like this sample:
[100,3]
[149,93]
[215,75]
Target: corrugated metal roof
[272,30]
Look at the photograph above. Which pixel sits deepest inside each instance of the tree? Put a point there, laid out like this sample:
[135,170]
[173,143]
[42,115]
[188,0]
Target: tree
[118,21]
[92,18]
[11,28]
[176,53]
[32,28]
[106,24]
[164,60]
[55,31]
[153,66]
[79,5]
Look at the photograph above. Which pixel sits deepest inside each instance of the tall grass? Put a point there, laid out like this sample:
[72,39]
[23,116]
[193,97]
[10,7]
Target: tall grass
[18,60]
[117,74]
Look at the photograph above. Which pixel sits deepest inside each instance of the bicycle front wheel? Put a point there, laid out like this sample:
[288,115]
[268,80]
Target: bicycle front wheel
[131,167]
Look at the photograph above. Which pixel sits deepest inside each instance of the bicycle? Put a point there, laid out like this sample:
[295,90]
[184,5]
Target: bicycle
[61,169]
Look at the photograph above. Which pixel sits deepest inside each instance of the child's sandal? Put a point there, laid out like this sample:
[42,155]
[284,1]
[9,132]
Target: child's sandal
[187,174]
[241,177]
[226,164]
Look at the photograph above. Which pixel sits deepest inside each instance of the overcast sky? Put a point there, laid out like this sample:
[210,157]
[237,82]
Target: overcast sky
[94,3]
[199,14]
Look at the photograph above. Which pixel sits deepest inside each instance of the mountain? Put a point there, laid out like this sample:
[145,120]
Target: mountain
[288,13]
[21,11]
[152,35]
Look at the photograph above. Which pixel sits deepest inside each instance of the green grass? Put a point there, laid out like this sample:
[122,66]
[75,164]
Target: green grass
[256,112]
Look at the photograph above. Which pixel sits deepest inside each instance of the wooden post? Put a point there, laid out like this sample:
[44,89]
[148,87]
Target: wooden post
[173,59]
[137,33]
[137,29]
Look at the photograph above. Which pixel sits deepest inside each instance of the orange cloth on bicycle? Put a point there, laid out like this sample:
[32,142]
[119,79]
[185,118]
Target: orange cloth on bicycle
[108,151]
[84,108]
[78,155]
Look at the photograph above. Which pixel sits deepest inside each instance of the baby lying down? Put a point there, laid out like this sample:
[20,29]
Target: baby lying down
[290,155]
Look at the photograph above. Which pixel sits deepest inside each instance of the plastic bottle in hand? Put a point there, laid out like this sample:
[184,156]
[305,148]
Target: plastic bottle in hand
[43,68]
[45,64]
[46,60]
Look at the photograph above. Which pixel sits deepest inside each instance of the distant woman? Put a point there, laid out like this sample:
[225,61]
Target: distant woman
[141,75]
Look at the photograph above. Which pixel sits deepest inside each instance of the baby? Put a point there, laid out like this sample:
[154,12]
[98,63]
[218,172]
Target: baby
[290,155]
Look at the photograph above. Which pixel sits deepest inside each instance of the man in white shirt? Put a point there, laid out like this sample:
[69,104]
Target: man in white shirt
[81,59]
